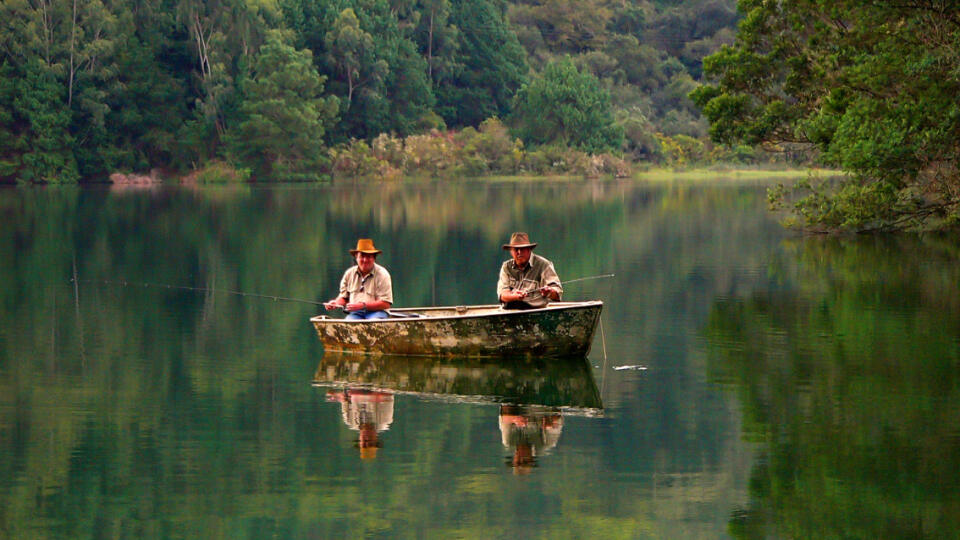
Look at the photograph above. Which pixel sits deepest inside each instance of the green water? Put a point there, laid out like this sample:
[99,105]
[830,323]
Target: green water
[747,381]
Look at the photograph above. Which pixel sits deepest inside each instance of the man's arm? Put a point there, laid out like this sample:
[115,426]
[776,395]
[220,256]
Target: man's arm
[341,299]
[505,293]
[552,288]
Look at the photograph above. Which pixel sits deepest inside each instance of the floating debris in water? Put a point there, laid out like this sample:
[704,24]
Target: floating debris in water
[635,368]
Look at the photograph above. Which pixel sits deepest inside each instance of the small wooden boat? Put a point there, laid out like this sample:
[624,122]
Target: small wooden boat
[560,329]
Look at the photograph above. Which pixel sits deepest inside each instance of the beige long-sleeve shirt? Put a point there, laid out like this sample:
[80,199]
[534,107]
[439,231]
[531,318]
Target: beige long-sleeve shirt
[537,273]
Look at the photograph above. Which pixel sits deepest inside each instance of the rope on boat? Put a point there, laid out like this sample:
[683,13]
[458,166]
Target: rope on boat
[603,342]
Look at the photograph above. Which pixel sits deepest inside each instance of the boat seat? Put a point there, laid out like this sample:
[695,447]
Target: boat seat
[399,315]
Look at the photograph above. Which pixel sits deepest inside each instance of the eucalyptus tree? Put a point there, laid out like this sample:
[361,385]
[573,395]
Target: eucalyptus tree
[350,50]
[566,26]
[35,140]
[370,59]
[437,38]
[283,115]
[493,64]
[56,56]
[223,34]
[871,85]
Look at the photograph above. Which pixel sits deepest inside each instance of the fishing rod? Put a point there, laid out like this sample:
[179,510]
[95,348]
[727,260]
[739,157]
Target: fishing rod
[586,278]
[275,298]
[536,292]
[199,289]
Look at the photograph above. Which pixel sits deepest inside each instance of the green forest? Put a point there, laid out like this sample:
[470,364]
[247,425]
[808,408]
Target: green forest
[288,90]
[307,90]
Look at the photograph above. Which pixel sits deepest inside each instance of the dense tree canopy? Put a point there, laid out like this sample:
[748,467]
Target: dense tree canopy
[872,85]
[493,66]
[168,86]
[282,114]
[569,107]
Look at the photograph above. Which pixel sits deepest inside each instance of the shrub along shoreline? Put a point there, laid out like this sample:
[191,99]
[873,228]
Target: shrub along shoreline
[490,150]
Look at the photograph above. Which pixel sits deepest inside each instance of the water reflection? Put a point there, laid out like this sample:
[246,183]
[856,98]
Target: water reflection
[529,432]
[368,412]
[850,385]
[533,395]
[136,412]
[565,383]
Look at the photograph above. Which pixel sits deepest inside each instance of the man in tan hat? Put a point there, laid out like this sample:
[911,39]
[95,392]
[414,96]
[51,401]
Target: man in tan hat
[527,281]
[365,289]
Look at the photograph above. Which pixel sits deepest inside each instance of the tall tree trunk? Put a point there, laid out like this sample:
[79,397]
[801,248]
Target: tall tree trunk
[73,41]
[430,47]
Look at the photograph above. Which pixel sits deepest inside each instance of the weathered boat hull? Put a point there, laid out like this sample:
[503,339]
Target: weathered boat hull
[560,329]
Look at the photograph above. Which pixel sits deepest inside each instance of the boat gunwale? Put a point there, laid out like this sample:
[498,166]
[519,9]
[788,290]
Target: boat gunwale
[499,312]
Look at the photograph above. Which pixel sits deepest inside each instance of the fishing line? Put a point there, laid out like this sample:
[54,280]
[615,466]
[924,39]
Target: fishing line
[585,278]
[537,291]
[199,289]
[275,298]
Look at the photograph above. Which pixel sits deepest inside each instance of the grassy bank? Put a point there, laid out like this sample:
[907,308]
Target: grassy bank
[666,174]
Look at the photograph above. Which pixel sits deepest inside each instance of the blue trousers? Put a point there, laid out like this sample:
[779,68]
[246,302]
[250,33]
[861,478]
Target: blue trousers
[364,314]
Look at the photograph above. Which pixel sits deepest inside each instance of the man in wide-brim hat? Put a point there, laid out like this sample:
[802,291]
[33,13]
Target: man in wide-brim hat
[526,280]
[366,291]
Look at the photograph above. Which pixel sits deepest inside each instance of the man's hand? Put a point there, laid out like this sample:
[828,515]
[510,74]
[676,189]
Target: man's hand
[332,305]
[356,306]
[517,295]
[550,292]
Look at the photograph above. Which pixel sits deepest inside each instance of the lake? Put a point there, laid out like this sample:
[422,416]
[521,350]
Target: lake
[746,381]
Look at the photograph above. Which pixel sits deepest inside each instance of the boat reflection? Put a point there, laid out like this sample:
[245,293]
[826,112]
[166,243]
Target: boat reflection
[533,395]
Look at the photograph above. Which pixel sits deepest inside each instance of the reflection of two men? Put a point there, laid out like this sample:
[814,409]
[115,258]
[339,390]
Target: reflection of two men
[367,412]
[529,432]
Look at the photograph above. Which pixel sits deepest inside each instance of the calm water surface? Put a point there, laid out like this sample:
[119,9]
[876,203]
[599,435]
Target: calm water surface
[747,381]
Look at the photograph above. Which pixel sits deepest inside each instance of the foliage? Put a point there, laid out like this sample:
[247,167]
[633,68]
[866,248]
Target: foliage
[438,40]
[488,150]
[282,114]
[218,172]
[566,26]
[471,152]
[34,137]
[566,106]
[100,87]
[640,138]
[376,71]
[493,65]
[873,86]
[682,150]
[357,160]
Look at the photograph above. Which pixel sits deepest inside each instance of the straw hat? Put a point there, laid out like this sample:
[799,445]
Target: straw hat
[365,245]
[520,240]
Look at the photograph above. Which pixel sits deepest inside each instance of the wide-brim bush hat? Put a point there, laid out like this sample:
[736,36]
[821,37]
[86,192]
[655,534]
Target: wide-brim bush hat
[520,240]
[365,245]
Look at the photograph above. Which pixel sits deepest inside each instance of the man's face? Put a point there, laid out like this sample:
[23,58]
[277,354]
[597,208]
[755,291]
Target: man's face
[365,262]
[521,255]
